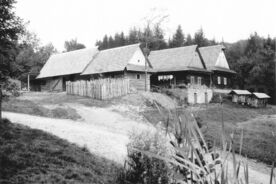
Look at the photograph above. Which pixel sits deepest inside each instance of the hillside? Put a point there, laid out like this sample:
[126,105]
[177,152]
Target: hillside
[33,156]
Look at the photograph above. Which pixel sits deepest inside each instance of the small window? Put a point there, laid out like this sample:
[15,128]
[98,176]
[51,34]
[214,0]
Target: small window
[138,60]
[138,76]
[225,81]
[192,80]
[219,82]
[199,79]
[165,77]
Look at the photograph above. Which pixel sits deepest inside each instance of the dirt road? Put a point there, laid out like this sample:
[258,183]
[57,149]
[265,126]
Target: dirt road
[102,131]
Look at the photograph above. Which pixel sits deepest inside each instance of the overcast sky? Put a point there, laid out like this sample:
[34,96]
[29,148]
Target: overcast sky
[88,20]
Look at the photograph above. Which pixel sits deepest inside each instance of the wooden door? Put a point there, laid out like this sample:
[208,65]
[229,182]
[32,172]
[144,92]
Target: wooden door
[195,98]
[206,97]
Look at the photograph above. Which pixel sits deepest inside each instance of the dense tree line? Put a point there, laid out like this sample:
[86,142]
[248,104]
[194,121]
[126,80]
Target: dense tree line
[253,60]
[155,38]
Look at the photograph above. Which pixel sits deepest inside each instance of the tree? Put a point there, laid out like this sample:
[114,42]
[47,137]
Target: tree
[73,45]
[199,38]
[122,39]
[41,56]
[105,43]
[252,59]
[178,38]
[133,36]
[117,40]
[189,40]
[10,27]
[157,41]
[111,42]
[30,56]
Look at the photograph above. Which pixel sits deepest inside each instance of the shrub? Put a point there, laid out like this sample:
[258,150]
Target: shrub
[141,168]
[180,95]
[12,87]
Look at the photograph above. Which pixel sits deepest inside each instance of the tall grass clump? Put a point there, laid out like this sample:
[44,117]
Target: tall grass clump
[191,159]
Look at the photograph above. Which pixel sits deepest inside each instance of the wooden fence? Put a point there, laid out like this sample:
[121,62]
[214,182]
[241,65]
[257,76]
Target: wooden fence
[101,89]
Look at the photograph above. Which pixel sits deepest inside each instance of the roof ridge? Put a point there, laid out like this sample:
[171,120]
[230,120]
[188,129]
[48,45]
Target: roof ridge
[174,48]
[115,48]
[73,51]
[218,45]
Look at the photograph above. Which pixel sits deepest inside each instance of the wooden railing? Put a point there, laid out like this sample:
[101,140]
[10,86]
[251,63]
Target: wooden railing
[101,89]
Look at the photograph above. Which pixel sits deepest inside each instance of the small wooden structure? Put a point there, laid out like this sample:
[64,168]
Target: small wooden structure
[258,100]
[240,96]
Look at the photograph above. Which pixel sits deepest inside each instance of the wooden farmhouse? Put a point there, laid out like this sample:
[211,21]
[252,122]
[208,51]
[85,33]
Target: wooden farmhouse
[182,67]
[85,64]
[191,65]
[240,96]
[197,70]
[64,67]
[258,100]
[121,62]
[178,67]
[215,61]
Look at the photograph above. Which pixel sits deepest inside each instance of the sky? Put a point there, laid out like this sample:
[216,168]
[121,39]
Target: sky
[55,21]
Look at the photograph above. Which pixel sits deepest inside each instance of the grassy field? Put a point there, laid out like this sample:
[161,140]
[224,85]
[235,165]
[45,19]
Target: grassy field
[33,156]
[258,125]
[259,133]
[30,107]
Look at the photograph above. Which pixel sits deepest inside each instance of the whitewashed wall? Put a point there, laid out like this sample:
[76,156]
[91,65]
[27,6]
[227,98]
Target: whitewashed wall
[138,58]
[200,95]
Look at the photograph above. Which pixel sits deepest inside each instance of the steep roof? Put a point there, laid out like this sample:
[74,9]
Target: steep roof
[240,92]
[111,60]
[211,56]
[261,95]
[131,67]
[176,59]
[67,63]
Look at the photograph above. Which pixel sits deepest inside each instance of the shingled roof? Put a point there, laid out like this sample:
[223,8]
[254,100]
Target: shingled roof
[176,59]
[112,60]
[261,95]
[67,63]
[240,92]
[210,55]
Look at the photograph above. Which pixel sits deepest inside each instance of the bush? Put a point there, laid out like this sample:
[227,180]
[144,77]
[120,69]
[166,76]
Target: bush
[142,168]
[180,95]
[12,87]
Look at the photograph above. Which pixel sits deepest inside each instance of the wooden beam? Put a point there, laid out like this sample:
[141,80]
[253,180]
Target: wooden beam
[0,101]
[28,82]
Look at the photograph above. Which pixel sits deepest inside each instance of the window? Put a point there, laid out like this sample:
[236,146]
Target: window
[192,80]
[138,60]
[138,76]
[199,79]
[165,77]
[219,80]
[225,81]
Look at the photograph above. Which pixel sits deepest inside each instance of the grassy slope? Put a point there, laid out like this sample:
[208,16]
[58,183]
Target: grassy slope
[33,156]
[30,107]
[259,134]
